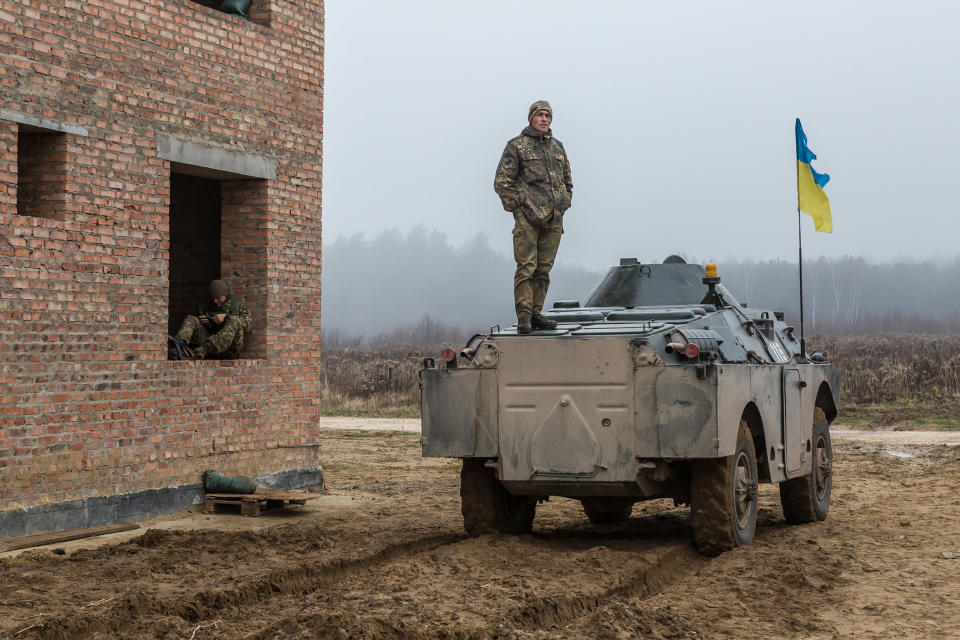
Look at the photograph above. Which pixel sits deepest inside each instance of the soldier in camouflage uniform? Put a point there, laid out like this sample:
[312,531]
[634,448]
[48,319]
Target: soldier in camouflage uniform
[533,182]
[217,330]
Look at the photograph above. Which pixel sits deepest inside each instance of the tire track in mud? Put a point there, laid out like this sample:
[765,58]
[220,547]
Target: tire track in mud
[567,580]
[544,616]
[673,561]
[678,561]
[301,579]
[569,604]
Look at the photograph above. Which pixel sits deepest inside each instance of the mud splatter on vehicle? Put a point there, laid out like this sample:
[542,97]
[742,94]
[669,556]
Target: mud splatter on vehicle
[662,385]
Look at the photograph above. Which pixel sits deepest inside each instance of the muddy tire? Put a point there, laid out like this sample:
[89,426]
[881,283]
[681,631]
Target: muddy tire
[807,499]
[607,510]
[487,507]
[723,498]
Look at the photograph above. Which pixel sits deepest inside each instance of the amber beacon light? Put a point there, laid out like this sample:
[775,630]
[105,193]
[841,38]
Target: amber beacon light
[710,271]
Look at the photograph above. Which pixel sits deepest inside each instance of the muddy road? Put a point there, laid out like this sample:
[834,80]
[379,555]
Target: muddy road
[383,555]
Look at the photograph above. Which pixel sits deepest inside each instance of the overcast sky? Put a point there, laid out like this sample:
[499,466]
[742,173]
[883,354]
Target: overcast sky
[677,118]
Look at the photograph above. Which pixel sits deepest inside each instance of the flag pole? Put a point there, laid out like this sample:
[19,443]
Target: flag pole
[803,343]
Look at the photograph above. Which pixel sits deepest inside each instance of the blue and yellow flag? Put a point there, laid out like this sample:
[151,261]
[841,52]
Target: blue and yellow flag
[811,198]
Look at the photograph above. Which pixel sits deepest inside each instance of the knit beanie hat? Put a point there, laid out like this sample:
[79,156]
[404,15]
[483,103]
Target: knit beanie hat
[539,105]
[218,288]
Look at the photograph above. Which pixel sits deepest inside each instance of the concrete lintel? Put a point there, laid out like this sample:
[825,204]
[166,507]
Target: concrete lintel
[214,162]
[34,123]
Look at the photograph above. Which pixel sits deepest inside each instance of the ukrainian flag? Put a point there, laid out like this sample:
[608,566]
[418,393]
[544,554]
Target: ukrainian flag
[810,196]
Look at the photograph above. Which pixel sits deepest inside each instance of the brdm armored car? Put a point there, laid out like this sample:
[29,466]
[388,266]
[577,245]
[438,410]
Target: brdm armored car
[661,385]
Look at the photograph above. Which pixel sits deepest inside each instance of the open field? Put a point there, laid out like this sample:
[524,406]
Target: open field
[892,380]
[382,555]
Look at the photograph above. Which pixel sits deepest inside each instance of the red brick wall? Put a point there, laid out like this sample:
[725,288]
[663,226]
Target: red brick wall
[89,404]
[243,245]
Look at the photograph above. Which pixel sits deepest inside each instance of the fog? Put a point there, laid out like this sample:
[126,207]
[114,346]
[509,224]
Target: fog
[678,120]
[378,284]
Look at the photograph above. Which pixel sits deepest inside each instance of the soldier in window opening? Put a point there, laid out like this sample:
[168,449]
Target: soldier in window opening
[218,329]
[533,182]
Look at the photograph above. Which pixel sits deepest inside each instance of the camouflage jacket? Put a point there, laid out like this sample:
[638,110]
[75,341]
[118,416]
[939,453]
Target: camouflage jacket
[233,307]
[533,177]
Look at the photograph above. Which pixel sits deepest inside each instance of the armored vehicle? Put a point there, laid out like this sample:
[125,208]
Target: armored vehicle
[661,385]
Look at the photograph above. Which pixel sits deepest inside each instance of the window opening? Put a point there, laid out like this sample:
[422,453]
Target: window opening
[257,11]
[41,172]
[217,233]
[194,244]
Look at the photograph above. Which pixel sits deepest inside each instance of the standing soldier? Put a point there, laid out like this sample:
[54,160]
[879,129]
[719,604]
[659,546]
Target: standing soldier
[533,182]
[217,330]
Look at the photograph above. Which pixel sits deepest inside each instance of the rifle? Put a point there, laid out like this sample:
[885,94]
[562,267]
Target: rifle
[208,315]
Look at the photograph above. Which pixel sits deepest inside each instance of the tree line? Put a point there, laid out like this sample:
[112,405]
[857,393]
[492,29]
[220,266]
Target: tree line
[422,285]
[852,296]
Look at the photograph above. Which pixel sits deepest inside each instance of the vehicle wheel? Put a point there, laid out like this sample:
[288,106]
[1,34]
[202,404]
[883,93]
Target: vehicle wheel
[806,499]
[723,498]
[486,506]
[607,510]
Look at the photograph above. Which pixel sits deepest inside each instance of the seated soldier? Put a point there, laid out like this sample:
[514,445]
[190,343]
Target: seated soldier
[217,330]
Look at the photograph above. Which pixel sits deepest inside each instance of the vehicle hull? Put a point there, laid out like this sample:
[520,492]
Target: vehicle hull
[582,416]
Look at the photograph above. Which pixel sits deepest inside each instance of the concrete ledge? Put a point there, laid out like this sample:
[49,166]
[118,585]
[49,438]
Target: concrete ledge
[131,507]
[42,124]
[206,161]
[292,479]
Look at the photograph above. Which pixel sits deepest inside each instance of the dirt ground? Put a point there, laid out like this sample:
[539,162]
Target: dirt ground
[383,555]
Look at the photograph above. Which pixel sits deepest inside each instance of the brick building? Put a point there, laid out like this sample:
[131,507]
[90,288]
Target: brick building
[147,147]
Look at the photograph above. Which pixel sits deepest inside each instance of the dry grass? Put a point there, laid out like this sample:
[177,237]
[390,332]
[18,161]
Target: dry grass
[375,381]
[889,368]
[895,367]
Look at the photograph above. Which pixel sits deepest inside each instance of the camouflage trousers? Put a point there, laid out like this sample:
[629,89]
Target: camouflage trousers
[227,342]
[534,249]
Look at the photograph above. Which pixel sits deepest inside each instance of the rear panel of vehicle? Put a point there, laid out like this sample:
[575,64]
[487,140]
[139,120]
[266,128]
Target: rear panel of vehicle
[566,410]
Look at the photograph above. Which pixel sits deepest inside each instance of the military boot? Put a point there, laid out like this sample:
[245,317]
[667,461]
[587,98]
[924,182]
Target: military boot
[178,349]
[204,350]
[540,322]
[523,322]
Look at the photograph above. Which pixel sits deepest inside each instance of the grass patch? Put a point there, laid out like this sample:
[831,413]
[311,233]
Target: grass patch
[854,422]
[912,414]
[945,424]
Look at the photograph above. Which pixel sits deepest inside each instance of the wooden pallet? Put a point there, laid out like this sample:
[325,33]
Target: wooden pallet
[253,504]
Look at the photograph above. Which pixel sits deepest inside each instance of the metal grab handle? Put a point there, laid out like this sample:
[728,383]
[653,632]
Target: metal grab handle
[597,468]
